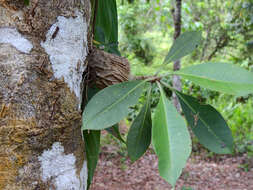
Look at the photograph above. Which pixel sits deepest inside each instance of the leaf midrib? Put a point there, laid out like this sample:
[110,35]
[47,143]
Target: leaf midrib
[213,80]
[205,124]
[110,106]
[165,114]
[176,53]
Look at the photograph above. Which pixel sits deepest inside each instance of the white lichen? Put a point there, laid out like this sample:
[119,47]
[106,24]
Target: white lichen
[66,45]
[84,176]
[59,169]
[13,37]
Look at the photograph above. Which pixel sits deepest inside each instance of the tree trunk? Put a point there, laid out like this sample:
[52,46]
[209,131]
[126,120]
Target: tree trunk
[43,48]
[176,80]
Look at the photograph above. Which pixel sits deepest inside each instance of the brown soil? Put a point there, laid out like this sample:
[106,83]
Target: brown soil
[115,172]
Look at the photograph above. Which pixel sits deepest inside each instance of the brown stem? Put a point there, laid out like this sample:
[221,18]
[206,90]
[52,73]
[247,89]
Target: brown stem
[151,78]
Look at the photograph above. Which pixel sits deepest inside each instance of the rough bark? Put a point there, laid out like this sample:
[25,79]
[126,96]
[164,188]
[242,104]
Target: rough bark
[176,80]
[43,48]
[105,69]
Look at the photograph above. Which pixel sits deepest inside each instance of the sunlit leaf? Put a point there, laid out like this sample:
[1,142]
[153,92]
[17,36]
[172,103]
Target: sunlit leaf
[171,140]
[111,105]
[139,135]
[183,45]
[221,77]
[207,124]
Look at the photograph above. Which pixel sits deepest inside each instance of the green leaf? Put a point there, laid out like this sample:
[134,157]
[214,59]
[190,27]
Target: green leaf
[221,77]
[171,140]
[91,141]
[114,130]
[106,27]
[26,2]
[183,45]
[207,124]
[92,146]
[87,95]
[139,135]
[111,104]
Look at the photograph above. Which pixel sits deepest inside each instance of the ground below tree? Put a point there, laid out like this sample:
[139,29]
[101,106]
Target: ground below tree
[116,172]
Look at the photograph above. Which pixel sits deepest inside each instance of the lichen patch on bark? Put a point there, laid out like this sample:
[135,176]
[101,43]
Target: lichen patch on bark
[84,176]
[13,37]
[66,45]
[60,169]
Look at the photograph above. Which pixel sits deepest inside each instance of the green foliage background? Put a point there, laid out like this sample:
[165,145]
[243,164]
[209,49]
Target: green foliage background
[145,35]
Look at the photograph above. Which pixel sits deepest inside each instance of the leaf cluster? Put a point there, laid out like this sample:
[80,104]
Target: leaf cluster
[166,128]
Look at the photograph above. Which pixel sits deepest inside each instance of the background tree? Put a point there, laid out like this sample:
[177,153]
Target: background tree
[176,13]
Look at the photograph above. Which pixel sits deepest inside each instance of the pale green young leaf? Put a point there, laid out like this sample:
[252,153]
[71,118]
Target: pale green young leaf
[223,77]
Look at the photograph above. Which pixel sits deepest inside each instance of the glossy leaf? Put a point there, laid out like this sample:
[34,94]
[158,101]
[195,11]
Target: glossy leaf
[183,45]
[111,105]
[92,146]
[221,77]
[139,135]
[106,27]
[171,140]
[207,124]
[114,130]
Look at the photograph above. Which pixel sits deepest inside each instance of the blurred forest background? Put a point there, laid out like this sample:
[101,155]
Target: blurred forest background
[146,33]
